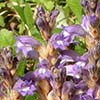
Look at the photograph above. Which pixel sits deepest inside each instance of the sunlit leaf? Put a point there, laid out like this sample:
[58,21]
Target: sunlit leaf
[76,8]
[6,38]
[28,17]
[34,97]
[21,28]
[49,5]
[20,13]
[2,23]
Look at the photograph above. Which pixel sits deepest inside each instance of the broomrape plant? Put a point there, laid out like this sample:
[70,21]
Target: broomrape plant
[61,72]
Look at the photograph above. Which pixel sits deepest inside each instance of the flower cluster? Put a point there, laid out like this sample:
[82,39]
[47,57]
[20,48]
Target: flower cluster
[61,73]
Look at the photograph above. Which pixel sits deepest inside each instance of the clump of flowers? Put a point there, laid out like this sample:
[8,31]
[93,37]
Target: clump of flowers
[61,73]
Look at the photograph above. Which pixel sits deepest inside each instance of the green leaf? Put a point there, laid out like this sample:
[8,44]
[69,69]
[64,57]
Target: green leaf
[34,97]
[21,28]
[28,17]
[20,12]
[2,5]
[49,5]
[21,67]
[76,8]
[18,1]
[2,23]
[6,38]
[81,48]
[56,30]
[37,35]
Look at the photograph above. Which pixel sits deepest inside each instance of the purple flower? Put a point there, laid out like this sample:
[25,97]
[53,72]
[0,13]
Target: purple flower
[89,5]
[84,3]
[89,23]
[42,70]
[44,28]
[82,96]
[82,86]
[90,92]
[28,41]
[64,60]
[41,23]
[42,73]
[70,56]
[44,63]
[85,24]
[75,70]
[94,92]
[27,46]
[40,11]
[86,97]
[25,87]
[94,21]
[70,53]
[67,36]
[60,42]
[73,30]
[53,15]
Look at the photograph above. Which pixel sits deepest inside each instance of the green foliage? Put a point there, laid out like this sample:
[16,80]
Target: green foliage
[49,5]
[28,17]
[2,23]
[21,67]
[6,38]
[21,15]
[34,97]
[2,5]
[76,8]
[20,12]
[81,48]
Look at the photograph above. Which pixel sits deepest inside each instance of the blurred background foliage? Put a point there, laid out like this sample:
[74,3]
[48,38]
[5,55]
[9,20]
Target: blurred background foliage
[17,17]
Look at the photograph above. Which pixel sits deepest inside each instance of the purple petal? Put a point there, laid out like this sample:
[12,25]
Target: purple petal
[29,76]
[40,23]
[42,73]
[28,41]
[93,20]
[75,56]
[82,85]
[75,29]
[85,24]
[61,41]
[26,45]
[57,41]
[40,11]
[54,14]
[44,63]
[25,87]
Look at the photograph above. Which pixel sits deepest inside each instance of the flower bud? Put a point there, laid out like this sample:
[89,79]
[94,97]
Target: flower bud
[93,20]
[40,11]
[43,27]
[53,17]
